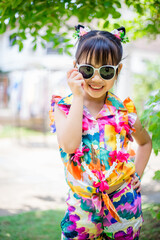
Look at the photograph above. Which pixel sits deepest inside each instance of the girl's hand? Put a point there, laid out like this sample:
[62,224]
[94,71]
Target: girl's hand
[75,81]
[136,183]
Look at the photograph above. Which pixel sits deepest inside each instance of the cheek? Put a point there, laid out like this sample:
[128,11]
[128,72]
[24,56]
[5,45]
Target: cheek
[85,85]
[109,84]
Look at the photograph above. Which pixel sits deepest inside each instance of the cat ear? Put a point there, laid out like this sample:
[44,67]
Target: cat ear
[122,29]
[79,26]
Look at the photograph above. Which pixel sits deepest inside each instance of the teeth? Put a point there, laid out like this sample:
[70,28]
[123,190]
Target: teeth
[96,87]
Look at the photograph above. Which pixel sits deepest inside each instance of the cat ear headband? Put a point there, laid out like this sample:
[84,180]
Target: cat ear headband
[81,30]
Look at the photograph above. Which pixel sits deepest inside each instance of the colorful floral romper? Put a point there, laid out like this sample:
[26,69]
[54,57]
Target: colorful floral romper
[102,160]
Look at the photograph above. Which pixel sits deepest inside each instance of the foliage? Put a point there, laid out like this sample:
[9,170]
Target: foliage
[151,119]
[146,83]
[48,20]
[157,177]
[147,20]
[151,226]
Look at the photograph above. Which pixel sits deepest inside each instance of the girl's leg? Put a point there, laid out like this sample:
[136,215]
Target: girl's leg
[128,205]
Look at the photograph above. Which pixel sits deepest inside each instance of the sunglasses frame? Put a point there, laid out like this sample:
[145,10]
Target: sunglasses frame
[98,69]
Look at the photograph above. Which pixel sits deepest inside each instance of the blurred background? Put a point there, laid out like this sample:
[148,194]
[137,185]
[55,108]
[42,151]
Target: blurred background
[36,51]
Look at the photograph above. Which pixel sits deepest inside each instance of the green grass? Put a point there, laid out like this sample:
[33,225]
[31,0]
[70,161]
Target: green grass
[10,131]
[151,226]
[41,225]
[45,225]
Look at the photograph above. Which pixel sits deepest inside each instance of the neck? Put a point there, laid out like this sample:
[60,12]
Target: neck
[98,101]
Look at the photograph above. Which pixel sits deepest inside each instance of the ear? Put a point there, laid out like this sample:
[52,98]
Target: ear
[120,67]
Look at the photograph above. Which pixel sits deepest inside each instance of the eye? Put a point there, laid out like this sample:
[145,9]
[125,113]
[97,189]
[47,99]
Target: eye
[89,69]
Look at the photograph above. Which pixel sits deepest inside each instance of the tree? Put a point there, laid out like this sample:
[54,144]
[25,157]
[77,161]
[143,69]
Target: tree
[47,20]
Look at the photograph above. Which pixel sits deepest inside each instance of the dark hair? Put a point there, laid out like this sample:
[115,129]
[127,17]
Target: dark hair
[103,46]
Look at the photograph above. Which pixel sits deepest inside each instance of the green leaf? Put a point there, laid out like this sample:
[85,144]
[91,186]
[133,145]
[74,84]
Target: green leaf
[105,25]
[60,50]
[43,45]
[118,4]
[22,35]
[16,3]
[116,25]
[116,14]
[69,46]
[157,175]
[66,40]
[68,52]
[20,43]
[158,215]
[2,27]
[14,42]
[35,47]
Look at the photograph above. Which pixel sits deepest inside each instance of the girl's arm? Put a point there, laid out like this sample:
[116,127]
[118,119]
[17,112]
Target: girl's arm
[69,129]
[144,147]
[143,152]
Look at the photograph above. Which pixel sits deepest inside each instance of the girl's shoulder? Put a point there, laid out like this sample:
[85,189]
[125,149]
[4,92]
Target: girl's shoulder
[63,104]
[129,105]
[115,101]
[61,100]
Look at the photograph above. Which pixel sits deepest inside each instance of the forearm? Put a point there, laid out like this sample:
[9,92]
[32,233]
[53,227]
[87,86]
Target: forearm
[142,157]
[71,132]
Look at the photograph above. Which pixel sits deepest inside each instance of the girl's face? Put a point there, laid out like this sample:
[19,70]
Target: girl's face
[96,87]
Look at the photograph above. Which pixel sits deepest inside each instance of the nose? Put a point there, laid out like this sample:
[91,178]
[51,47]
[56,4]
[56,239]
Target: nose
[96,77]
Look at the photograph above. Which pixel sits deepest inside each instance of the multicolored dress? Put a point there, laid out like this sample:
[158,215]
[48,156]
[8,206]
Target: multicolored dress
[102,160]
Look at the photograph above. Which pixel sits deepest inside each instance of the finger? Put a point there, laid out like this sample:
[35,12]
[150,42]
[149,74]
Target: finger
[139,189]
[74,73]
[70,72]
[80,82]
[134,179]
[137,185]
[78,76]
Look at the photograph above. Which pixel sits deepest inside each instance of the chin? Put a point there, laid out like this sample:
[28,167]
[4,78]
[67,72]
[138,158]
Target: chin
[96,94]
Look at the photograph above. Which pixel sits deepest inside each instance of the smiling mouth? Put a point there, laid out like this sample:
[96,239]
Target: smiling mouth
[96,87]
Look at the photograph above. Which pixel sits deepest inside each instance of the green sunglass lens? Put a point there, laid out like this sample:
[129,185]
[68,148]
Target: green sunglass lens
[86,71]
[107,72]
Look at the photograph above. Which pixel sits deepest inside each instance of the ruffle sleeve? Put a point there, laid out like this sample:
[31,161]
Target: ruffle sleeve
[55,99]
[132,115]
[63,104]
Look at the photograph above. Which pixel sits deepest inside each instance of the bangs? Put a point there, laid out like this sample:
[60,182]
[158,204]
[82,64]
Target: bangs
[101,51]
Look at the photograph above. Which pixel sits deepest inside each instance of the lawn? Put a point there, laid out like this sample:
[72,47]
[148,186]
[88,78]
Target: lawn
[11,131]
[45,225]
[39,225]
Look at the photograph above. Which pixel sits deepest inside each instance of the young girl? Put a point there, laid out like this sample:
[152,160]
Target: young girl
[94,128]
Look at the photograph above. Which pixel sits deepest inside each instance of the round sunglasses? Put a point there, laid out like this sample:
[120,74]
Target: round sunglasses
[107,72]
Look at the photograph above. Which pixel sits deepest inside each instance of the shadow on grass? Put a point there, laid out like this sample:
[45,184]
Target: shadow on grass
[45,225]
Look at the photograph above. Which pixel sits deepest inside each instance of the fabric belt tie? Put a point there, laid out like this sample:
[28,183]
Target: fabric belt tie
[107,201]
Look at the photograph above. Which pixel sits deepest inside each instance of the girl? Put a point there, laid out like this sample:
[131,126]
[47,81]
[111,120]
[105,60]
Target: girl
[94,128]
